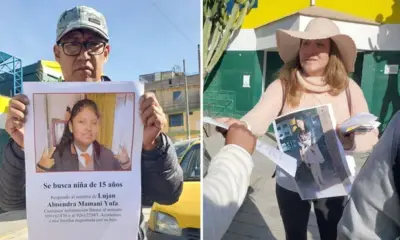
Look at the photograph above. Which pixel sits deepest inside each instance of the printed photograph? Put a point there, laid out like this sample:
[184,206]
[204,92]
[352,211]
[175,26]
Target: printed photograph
[83,131]
[309,136]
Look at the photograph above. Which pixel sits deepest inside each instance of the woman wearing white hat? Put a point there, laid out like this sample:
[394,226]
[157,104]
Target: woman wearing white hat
[317,63]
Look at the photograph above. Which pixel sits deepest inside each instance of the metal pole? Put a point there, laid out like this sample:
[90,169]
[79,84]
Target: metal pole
[198,57]
[187,101]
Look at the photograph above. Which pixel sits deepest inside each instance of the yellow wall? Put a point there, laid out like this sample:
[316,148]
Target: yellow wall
[269,11]
[195,133]
[166,95]
[165,98]
[193,119]
[375,10]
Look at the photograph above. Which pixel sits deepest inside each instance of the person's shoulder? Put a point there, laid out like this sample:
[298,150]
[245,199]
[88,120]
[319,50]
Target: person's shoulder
[104,151]
[395,121]
[66,152]
[277,83]
[355,90]
[275,87]
[353,85]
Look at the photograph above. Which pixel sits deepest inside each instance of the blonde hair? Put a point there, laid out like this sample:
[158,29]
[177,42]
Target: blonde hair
[336,76]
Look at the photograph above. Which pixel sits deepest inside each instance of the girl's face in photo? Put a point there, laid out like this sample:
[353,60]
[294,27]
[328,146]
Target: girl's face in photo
[85,127]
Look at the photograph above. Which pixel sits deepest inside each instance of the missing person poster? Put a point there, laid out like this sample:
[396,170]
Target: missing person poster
[309,136]
[83,146]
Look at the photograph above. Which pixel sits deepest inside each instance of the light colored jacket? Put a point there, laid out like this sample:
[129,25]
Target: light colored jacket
[224,189]
[373,210]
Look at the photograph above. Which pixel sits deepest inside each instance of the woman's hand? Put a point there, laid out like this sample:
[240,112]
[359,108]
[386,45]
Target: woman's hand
[347,140]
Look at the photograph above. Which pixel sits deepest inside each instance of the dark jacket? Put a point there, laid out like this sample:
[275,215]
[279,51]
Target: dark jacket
[103,159]
[162,177]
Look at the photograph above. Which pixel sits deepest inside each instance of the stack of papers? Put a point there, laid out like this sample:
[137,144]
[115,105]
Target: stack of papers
[362,122]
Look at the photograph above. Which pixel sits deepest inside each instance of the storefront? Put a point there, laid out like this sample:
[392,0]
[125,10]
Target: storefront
[251,62]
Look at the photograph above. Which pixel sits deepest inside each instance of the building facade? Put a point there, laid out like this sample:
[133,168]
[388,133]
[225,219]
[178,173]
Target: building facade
[251,61]
[171,96]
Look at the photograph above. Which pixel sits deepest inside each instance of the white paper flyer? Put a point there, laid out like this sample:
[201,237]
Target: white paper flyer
[83,146]
[309,135]
[285,161]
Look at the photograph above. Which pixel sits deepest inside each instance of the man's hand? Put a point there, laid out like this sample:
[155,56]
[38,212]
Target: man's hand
[228,122]
[16,118]
[153,119]
[239,135]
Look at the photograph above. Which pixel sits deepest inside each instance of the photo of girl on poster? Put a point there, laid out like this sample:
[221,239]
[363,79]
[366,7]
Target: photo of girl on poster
[78,149]
[310,152]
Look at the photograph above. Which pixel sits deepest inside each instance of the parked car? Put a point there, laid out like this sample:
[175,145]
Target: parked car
[182,219]
[182,146]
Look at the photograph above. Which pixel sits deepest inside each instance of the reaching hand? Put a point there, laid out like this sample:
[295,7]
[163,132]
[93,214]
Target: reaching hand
[153,119]
[16,118]
[228,122]
[241,136]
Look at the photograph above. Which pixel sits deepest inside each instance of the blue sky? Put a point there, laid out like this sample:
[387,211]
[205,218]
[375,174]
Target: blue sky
[142,39]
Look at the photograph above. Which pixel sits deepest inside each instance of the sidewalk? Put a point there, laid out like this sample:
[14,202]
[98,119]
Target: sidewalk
[259,216]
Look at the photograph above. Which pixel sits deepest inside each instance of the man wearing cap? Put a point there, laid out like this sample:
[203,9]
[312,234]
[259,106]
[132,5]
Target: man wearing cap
[82,47]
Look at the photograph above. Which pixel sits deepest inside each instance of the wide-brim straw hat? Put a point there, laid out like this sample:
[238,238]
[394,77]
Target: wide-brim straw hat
[288,41]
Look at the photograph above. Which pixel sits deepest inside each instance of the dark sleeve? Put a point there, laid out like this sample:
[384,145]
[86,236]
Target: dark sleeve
[162,177]
[12,178]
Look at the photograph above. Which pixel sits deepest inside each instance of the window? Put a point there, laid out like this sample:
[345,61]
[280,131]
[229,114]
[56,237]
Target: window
[176,95]
[180,148]
[190,163]
[176,120]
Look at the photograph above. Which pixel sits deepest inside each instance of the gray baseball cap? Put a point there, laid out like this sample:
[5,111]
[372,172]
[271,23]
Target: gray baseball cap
[82,17]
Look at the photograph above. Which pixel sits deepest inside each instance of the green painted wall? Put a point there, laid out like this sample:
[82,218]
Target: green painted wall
[381,90]
[226,95]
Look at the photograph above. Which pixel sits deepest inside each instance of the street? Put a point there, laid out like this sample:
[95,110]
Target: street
[259,217]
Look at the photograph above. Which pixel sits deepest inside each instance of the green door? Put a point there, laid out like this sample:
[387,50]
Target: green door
[228,94]
[274,63]
[380,84]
